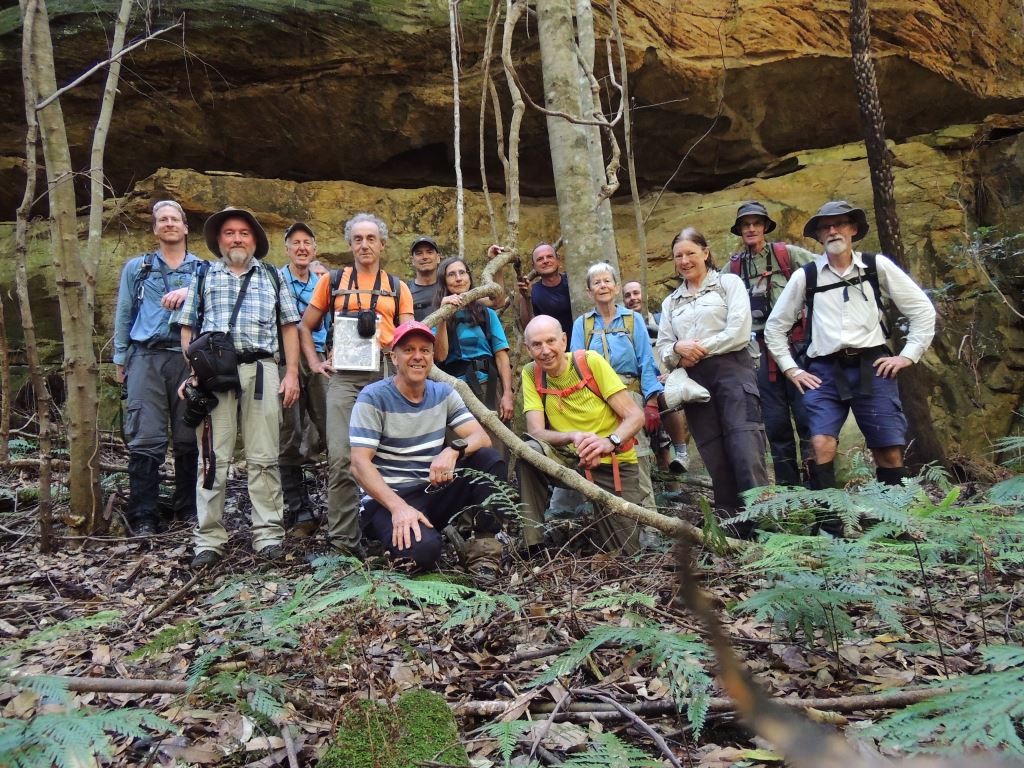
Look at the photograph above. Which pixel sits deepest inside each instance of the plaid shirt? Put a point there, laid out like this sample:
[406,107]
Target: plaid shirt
[256,327]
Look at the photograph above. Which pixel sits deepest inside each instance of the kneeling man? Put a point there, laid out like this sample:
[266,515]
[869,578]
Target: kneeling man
[579,413]
[400,459]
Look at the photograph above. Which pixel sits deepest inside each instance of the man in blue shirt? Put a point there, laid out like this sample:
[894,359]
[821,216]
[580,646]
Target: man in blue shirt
[300,275]
[149,363]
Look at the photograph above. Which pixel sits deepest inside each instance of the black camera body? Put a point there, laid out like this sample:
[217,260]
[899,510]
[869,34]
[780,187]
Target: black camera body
[198,404]
[366,323]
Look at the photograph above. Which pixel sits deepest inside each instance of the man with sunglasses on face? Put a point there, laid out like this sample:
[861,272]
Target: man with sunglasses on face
[150,365]
[849,364]
[410,473]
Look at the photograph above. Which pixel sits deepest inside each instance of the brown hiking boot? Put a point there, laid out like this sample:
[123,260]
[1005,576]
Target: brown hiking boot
[483,560]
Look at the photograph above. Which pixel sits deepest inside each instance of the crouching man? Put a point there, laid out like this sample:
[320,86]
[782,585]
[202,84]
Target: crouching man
[401,460]
[579,413]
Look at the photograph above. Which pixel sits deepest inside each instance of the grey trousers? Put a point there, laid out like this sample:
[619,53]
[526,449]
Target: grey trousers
[613,532]
[310,408]
[342,490]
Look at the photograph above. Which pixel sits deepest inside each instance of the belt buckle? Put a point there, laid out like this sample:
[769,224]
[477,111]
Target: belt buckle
[850,351]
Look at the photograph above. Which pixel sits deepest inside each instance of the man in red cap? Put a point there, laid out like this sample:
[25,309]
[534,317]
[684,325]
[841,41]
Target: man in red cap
[409,472]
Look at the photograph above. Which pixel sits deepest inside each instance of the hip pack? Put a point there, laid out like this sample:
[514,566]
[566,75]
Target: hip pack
[212,354]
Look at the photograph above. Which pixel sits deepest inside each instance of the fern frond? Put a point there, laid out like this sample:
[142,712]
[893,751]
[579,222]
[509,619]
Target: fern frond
[507,735]
[984,711]
[262,701]
[609,750]
[48,687]
[682,655]
[479,609]
[1008,492]
[201,665]
[167,638]
[609,598]
[61,629]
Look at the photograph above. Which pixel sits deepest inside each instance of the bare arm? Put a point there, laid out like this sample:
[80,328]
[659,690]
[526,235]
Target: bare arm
[505,406]
[536,427]
[289,388]
[311,320]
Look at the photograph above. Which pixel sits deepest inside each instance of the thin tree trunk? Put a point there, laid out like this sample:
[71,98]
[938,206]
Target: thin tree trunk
[586,232]
[514,10]
[915,387]
[31,17]
[460,197]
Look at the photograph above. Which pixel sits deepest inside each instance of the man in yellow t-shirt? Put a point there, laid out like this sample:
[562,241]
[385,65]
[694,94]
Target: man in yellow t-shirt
[362,289]
[572,424]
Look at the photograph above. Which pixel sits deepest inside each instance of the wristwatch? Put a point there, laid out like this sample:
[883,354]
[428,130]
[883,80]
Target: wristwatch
[460,445]
[616,441]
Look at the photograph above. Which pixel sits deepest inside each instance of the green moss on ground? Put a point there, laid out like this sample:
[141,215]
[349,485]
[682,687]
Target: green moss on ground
[419,727]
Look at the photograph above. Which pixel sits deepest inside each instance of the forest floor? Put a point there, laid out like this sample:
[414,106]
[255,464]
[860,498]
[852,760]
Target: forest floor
[274,656]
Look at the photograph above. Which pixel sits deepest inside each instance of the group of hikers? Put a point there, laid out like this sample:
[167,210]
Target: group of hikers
[769,352]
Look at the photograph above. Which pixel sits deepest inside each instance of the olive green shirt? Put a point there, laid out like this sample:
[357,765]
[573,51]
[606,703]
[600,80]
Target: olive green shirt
[762,276]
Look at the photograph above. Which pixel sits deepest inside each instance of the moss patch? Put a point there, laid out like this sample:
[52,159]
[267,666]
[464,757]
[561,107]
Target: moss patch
[419,727]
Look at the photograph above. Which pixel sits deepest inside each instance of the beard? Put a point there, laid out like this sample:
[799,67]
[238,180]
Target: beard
[836,247]
[237,257]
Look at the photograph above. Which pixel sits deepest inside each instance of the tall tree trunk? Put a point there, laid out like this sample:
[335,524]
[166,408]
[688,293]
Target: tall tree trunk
[39,386]
[924,444]
[74,284]
[576,155]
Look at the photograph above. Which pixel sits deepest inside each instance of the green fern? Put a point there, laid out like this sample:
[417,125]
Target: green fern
[167,638]
[71,739]
[682,656]
[609,751]
[202,663]
[479,609]
[984,711]
[54,689]
[812,582]
[507,735]
[609,598]
[61,629]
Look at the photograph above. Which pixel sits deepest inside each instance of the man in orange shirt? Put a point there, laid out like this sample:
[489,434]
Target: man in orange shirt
[377,302]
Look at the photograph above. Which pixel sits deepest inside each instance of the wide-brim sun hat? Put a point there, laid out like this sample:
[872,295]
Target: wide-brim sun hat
[838,208]
[752,208]
[211,230]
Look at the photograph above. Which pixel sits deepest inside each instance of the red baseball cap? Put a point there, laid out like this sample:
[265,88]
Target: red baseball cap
[412,326]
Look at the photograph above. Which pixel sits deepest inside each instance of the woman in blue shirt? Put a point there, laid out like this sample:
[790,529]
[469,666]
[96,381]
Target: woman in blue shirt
[478,347]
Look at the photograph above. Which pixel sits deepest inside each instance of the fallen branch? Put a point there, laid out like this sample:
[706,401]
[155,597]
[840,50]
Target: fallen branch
[56,464]
[634,718]
[171,600]
[889,700]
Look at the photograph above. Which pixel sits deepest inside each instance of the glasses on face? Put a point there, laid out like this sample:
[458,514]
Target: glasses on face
[457,273]
[834,225]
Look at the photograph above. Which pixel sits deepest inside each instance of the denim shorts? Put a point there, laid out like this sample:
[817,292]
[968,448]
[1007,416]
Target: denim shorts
[879,414]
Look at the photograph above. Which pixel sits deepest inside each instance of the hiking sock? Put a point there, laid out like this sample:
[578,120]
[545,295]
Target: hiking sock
[890,475]
[823,477]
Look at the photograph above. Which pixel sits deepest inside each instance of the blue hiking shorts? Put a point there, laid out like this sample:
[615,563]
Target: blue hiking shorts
[879,414]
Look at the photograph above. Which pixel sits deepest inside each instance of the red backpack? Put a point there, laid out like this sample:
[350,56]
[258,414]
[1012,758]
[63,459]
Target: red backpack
[799,330]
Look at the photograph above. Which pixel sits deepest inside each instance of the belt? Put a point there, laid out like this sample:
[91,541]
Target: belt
[173,344]
[252,357]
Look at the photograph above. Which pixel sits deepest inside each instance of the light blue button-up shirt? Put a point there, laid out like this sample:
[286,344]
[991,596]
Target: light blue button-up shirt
[628,356]
[303,292]
[152,324]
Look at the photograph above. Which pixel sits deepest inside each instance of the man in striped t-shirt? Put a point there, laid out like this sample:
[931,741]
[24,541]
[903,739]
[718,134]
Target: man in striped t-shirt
[399,457]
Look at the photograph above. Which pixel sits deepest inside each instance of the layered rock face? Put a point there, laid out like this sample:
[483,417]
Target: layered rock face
[362,91]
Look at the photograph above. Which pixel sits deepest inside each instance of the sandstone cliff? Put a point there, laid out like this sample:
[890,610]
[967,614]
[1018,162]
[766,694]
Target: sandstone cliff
[361,91]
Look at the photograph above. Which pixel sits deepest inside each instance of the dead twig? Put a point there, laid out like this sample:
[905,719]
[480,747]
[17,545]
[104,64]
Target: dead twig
[171,600]
[635,719]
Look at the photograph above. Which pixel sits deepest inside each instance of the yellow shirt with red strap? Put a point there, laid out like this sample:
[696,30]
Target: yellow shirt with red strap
[385,308]
[581,411]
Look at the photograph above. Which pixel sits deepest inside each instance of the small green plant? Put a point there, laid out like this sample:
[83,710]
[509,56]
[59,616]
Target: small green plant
[682,655]
[507,735]
[984,711]
[607,750]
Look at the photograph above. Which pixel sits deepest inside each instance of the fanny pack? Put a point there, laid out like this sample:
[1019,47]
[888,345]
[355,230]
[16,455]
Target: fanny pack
[212,354]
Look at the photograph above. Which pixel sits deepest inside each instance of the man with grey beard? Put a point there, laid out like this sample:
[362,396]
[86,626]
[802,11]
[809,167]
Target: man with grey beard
[849,364]
[247,299]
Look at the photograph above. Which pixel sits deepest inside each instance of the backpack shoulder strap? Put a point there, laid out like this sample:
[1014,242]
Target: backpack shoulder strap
[588,329]
[336,277]
[782,256]
[630,323]
[396,289]
[736,263]
[579,361]
[811,275]
[145,268]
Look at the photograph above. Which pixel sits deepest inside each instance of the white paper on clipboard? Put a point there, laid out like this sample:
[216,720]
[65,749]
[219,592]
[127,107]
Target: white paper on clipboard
[351,351]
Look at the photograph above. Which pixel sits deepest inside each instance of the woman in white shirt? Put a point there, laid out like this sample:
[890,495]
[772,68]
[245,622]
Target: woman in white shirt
[705,328]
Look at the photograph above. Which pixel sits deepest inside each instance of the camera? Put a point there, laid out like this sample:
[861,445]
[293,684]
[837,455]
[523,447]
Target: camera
[366,323]
[198,404]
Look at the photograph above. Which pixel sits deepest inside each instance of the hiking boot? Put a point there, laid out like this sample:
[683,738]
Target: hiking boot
[144,528]
[337,550]
[205,558]
[272,553]
[483,560]
[304,527]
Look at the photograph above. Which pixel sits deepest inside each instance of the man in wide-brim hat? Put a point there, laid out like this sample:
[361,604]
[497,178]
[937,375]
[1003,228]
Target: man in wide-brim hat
[235,236]
[849,364]
[765,267]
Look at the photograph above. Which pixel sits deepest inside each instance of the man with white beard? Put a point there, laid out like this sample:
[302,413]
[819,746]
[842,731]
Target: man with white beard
[849,364]
[253,321]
